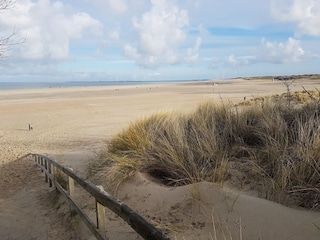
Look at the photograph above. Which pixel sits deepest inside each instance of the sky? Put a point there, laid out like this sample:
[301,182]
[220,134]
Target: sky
[155,40]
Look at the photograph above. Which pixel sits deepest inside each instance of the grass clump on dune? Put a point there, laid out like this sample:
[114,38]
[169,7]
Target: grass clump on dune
[264,144]
[168,147]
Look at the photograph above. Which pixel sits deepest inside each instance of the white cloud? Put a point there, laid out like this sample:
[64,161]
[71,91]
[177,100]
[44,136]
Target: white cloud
[281,52]
[306,13]
[49,27]
[116,6]
[192,55]
[159,33]
[233,61]
[120,6]
[131,52]
[114,35]
[154,74]
[268,52]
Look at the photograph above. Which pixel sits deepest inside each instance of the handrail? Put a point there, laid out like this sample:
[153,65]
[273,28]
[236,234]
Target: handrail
[138,223]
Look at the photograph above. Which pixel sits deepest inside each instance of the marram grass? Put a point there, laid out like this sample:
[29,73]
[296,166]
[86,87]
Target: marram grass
[266,143]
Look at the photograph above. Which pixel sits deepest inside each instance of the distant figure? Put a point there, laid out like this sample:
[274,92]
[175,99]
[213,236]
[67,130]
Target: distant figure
[30,127]
[244,98]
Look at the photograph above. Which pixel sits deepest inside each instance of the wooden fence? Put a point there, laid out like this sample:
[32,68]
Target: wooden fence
[103,199]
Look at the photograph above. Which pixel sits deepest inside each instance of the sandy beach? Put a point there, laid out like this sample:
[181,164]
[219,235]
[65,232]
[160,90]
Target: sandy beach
[72,124]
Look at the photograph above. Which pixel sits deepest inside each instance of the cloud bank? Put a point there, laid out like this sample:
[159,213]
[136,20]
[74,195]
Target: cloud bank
[273,52]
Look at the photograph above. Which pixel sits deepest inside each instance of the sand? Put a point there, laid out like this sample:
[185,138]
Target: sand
[72,124]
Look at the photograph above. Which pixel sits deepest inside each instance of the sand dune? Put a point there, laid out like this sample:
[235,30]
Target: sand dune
[72,124]
[190,211]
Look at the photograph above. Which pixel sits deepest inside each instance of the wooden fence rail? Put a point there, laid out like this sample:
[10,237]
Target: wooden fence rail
[103,199]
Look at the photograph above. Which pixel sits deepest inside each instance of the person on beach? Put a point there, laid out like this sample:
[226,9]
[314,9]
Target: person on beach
[30,127]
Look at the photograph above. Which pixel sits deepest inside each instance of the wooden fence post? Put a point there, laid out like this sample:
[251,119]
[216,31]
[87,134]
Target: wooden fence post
[50,173]
[41,163]
[71,189]
[71,185]
[46,167]
[54,173]
[101,216]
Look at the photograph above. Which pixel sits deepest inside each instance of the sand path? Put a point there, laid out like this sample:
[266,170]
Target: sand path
[19,202]
[71,125]
[27,206]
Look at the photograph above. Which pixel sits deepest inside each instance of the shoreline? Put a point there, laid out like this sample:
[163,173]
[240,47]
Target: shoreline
[12,85]
[71,84]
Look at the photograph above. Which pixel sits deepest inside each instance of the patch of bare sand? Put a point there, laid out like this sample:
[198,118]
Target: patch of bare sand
[26,209]
[208,211]
[72,125]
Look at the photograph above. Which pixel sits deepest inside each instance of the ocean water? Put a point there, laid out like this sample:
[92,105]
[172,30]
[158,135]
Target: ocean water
[31,85]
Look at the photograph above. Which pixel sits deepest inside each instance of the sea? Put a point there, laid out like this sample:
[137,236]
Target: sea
[33,85]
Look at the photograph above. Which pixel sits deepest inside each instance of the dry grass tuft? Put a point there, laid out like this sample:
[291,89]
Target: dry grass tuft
[267,143]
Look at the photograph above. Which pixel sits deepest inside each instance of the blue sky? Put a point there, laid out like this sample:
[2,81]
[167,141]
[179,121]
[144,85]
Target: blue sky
[102,40]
